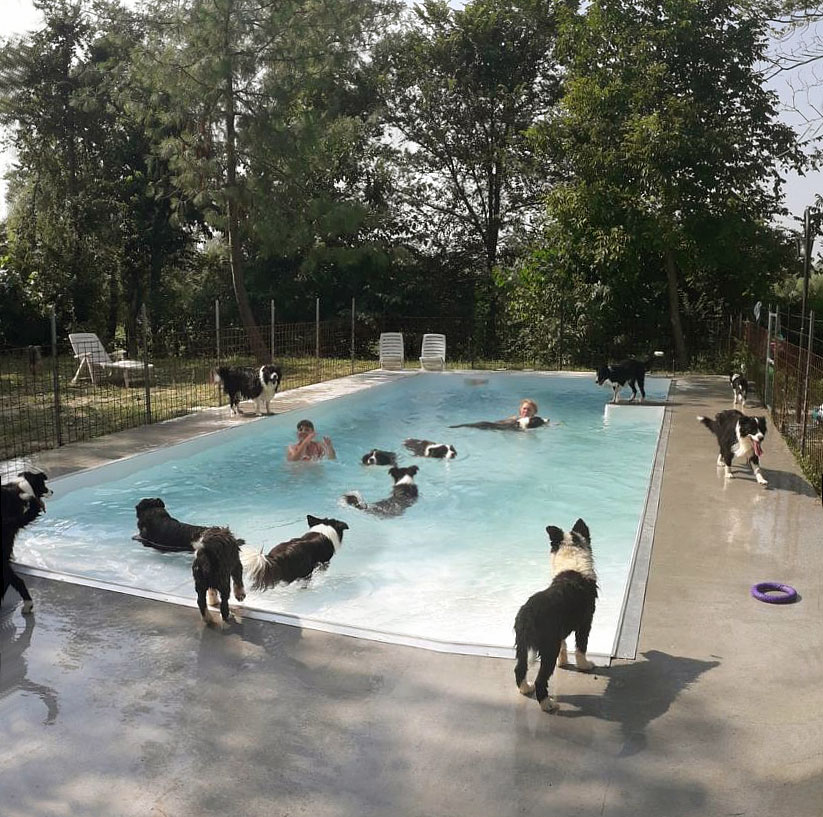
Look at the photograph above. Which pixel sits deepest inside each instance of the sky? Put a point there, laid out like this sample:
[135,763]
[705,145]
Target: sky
[20,16]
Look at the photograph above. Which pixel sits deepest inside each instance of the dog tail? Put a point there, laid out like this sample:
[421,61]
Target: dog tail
[262,571]
[708,422]
[356,501]
[219,375]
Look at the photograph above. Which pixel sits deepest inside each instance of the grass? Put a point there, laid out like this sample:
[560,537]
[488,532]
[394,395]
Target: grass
[28,414]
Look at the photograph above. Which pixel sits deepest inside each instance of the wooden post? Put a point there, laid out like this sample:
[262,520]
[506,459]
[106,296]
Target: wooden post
[806,386]
[146,370]
[217,326]
[55,373]
[272,330]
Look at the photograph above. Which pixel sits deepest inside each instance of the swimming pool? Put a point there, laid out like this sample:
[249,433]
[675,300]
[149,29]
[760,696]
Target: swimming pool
[450,573]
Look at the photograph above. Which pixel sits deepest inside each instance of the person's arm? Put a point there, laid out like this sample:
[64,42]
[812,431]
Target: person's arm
[330,452]
[295,452]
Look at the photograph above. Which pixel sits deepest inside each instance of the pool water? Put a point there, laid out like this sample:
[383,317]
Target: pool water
[452,570]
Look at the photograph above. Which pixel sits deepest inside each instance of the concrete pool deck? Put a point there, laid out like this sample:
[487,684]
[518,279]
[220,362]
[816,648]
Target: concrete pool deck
[115,705]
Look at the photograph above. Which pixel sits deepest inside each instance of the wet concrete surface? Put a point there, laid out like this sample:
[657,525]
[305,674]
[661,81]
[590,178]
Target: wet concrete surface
[114,705]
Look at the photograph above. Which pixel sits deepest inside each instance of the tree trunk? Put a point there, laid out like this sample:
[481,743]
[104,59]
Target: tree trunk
[256,344]
[674,311]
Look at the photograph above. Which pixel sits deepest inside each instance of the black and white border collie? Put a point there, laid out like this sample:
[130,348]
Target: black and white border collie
[378,457]
[740,388]
[216,565]
[426,448]
[403,494]
[738,436]
[631,372]
[21,502]
[543,623]
[248,383]
[163,532]
[297,558]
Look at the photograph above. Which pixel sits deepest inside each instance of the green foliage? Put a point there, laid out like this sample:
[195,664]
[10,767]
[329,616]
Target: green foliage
[673,153]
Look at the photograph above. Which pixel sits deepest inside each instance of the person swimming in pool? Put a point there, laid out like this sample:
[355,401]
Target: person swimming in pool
[307,447]
[525,419]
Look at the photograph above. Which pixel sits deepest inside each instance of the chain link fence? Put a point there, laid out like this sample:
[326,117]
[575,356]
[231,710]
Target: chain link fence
[49,397]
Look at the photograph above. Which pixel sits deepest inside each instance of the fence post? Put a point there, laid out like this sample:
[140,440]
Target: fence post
[217,326]
[55,373]
[146,369]
[317,336]
[768,358]
[352,335]
[806,386]
[272,329]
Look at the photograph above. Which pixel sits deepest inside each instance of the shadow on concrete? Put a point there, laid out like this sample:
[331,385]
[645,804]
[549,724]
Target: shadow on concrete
[14,666]
[638,693]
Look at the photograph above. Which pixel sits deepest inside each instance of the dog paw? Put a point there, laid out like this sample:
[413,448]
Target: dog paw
[28,607]
[526,688]
[762,480]
[562,657]
[549,704]
[211,598]
[729,475]
[582,663]
[239,593]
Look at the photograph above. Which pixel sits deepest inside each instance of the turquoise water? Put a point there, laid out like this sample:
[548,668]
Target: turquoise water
[458,564]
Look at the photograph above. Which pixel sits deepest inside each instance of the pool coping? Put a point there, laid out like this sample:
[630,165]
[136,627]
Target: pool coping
[628,626]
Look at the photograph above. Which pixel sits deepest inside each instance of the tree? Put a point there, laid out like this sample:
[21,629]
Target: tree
[234,77]
[461,89]
[672,148]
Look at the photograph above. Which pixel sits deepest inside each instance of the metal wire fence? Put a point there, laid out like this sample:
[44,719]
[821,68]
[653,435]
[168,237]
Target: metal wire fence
[785,361]
[56,393]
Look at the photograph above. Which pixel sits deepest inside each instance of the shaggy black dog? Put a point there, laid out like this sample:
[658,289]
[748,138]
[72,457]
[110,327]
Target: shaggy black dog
[296,558]
[738,436]
[567,605]
[247,383]
[163,532]
[631,372]
[216,564]
[21,502]
[740,388]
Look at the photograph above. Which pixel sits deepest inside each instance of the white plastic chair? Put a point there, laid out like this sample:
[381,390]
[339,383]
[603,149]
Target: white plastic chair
[433,352]
[391,350]
[92,354]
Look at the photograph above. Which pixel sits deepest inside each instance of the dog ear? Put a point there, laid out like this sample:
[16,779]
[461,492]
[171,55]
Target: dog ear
[583,529]
[394,472]
[412,469]
[555,535]
[313,520]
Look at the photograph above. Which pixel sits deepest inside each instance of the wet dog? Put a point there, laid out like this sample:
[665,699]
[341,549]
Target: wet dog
[426,448]
[297,558]
[248,383]
[740,388]
[403,495]
[21,502]
[163,532]
[545,621]
[378,457]
[738,436]
[629,372]
[216,565]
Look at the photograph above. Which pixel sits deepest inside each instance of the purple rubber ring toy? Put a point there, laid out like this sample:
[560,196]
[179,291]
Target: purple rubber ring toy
[768,592]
